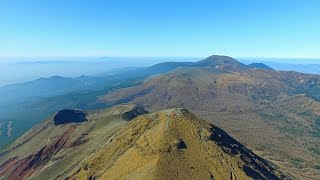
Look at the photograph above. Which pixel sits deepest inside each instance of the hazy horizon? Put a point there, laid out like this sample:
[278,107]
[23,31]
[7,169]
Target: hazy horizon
[301,60]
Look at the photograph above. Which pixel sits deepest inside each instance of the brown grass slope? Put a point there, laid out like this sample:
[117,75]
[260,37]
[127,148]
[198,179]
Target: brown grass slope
[174,144]
[276,113]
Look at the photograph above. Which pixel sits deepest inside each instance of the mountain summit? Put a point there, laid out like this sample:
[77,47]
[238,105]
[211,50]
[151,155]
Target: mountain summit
[214,61]
[174,144]
[222,62]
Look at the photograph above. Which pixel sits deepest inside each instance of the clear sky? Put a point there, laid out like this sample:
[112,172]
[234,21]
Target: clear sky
[239,28]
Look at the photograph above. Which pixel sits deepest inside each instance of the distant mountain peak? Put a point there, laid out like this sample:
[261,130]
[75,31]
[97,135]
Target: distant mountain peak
[259,66]
[220,57]
[55,77]
[222,62]
[214,61]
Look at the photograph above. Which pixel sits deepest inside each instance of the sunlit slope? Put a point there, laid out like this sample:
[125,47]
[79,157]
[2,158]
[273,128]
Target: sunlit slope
[174,144]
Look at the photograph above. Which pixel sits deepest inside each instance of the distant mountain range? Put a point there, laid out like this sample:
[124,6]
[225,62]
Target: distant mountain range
[310,66]
[46,87]
[303,68]
[56,85]
[259,66]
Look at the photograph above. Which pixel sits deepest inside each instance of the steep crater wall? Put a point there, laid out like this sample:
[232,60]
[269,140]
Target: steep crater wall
[69,116]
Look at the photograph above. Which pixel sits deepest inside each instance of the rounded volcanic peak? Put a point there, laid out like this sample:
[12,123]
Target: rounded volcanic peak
[126,111]
[136,111]
[174,144]
[130,111]
[66,116]
[221,62]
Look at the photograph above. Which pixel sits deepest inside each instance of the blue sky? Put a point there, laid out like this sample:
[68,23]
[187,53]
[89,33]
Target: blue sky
[246,28]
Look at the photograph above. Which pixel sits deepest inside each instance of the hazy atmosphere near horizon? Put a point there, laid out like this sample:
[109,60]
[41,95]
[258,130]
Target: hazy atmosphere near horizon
[161,89]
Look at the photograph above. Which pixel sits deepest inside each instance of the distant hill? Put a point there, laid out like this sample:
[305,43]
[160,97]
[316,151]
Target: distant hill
[302,65]
[259,66]
[45,87]
[124,142]
[214,61]
[221,62]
